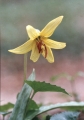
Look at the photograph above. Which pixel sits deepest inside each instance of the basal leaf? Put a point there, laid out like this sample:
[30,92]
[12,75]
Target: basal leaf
[22,100]
[5,107]
[45,87]
[68,105]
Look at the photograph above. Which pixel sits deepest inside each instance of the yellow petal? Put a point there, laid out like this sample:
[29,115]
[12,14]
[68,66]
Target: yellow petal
[24,48]
[35,53]
[32,32]
[51,26]
[49,56]
[54,44]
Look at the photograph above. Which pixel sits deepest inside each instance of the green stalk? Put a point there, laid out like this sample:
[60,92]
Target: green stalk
[33,95]
[25,66]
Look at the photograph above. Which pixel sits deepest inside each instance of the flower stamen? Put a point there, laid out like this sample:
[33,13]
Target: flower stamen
[41,46]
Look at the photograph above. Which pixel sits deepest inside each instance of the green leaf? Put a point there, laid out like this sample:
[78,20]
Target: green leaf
[44,87]
[22,100]
[68,105]
[32,105]
[5,107]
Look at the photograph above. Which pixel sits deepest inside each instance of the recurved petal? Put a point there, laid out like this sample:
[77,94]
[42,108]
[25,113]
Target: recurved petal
[54,44]
[51,26]
[49,56]
[35,53]
[32,32]
[24,48]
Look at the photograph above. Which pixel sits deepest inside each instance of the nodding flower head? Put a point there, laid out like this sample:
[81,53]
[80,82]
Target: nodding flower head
[39,42]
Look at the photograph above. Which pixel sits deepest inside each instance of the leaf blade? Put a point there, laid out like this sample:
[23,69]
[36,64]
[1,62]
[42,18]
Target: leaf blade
[45,87]
[68,105]
[5,107]
[22,100]
[32,105]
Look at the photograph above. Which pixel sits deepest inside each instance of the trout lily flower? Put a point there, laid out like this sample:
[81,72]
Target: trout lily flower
[40,43]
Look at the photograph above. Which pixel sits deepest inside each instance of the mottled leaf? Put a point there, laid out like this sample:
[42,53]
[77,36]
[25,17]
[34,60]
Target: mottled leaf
[68,105]
[22,101]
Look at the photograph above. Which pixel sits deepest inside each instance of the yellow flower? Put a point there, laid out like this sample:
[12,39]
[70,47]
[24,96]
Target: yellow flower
[39,42]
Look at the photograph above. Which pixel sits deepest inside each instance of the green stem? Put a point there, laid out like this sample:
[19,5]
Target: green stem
[25,66]
[33,95]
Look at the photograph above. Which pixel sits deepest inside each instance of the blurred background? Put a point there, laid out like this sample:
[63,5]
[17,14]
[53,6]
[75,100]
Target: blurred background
[15,16]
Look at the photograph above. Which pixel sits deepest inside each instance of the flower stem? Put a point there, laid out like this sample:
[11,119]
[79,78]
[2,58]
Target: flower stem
[33,95]
[25,66]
